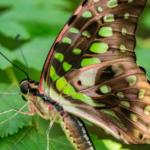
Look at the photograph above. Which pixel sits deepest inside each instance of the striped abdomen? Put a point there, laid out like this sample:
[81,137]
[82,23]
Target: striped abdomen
[76,133]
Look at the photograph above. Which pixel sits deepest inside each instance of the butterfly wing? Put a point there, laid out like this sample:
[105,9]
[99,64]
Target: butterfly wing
[98,31]
[91,68]
[113,95]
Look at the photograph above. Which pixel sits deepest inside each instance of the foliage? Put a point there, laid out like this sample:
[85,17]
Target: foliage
[39,22]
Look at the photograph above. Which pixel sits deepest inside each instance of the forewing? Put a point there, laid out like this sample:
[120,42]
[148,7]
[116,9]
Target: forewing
[98,31]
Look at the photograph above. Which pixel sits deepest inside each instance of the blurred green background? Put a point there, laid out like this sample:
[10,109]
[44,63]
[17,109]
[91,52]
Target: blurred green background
[39,22]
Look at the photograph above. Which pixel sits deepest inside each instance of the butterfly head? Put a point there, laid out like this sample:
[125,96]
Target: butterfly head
[28,88]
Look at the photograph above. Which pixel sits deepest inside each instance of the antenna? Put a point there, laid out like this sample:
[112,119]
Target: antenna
[14,65]
[10,93]
[22,54]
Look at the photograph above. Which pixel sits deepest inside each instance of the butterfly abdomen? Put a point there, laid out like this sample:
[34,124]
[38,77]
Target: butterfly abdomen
[76,133]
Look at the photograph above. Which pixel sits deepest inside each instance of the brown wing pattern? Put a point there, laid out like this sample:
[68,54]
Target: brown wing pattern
[98,31]
[92,70]
[119,94]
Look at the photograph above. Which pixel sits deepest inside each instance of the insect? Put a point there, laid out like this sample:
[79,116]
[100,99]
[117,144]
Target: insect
[91,73]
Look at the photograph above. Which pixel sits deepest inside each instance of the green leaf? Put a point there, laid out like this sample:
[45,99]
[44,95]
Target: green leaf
[18,19]
[143,53]
[42,29]
[61,143]
[111,145]
[11,28]
[37,3]
[105,144]
[8,102]
[145,18]
[87,123]
[4,63]
[29,138]
[36,50]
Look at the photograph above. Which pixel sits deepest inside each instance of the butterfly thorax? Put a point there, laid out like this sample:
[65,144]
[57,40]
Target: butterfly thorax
[39,102]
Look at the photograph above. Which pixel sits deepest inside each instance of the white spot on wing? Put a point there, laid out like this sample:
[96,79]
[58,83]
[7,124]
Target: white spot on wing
[88,77]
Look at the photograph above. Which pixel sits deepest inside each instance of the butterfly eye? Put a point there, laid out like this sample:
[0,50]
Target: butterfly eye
[24,87]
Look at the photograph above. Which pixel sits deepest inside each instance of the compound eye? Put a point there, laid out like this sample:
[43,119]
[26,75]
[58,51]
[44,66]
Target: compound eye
[24,87]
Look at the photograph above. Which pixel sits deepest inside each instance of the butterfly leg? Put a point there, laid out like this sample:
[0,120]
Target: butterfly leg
[48,130]
[16,110]
[31,112]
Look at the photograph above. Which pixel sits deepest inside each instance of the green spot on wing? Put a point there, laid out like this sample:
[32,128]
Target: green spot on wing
[99,47]
[109,18]
[69,90]
[66,66]
[136,133]
[105,31]
[131,80]
[130,1]
[124,31]
[59,57]
[53,74]
[125,103]
[100,9]
[67,40]
[84,98]
[89,61]
[73,30]
[81,96]
[87,14]
[134,117]
[122,48]
[112,3]
[105,89]
[60,83]
[126,15]
[120,94]
[141,93]
[77,51]
[147,110]
[86,34]
[113,117]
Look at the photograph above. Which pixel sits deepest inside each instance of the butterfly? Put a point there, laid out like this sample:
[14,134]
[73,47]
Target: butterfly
[91,73]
